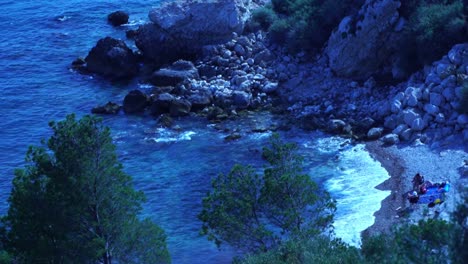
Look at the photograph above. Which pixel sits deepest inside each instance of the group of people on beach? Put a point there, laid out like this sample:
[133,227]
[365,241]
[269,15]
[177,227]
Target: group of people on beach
[427,192]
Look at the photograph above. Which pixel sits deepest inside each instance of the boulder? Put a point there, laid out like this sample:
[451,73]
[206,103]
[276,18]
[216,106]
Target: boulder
[113,59]
[161,104]
[117,18]
[409,115]
[191,25]
[180,107]
[178,72]
[375,133]
[241,99]
[200,99]
[391,139]
[135,102]
[336,125]
[109,108]
[363,43]
[418,124]
[270,87]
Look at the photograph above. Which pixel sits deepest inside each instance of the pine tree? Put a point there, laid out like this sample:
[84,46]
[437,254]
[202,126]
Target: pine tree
[73,203]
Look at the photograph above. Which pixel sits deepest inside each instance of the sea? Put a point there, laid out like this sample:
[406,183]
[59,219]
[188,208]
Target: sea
[38,41]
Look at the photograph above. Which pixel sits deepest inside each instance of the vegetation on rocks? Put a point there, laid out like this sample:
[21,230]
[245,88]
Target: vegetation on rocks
[73,203]
[433,27]
[304,24]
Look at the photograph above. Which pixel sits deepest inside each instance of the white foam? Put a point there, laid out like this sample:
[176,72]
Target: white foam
[357,175]
[166,136]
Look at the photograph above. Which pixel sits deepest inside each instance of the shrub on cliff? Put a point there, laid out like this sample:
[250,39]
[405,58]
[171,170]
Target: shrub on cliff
[430,241]
[258,212]
[321,250]
[433,28]
[308,23]
[73,203]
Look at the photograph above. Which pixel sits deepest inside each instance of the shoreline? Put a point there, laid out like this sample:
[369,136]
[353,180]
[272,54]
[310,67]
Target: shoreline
[402,162]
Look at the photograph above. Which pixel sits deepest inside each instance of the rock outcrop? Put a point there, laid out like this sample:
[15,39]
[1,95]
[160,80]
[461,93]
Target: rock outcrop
[117,18]
[135,102]
[180,29]
[363,44]
[108,109]
[112,58]
[178,72]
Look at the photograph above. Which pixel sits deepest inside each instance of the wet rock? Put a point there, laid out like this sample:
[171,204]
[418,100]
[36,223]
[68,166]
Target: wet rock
[165,121]
[109,108]
[180,71]
[113,59]
[135,102]
[161,104]
[117,18]
[233,136]
[131,33]
[180,107]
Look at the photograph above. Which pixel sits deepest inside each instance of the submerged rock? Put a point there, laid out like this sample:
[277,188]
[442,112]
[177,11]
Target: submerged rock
[109,108]
[113,59]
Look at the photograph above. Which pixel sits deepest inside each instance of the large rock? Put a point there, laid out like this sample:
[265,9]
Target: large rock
[135,102]
[190,25]
[363,43]
[178,72]
[117,18]
[161,104]
[113,59]
[180,107]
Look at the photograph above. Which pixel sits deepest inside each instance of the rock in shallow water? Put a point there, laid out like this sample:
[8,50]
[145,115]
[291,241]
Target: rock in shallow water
[135,102]
[118,18]
[113,59]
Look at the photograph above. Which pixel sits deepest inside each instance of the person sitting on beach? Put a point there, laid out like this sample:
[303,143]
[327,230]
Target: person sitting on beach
[418,179]
[413,197]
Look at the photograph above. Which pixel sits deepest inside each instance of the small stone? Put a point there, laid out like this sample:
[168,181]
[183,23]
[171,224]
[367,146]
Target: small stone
[374,133]
[391,139]
[250,61]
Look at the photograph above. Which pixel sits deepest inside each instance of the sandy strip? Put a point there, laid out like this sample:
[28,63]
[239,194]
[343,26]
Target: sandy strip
[402,163]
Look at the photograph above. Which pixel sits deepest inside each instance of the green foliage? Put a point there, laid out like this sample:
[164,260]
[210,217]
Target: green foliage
[433,28]
[279,31]
[73,203]
[5,258]
[264,17]
[320,250]
[257,213]
[431,241]
[308,22]
[459,217]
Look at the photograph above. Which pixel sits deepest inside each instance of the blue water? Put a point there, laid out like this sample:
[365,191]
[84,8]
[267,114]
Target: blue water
[39,39]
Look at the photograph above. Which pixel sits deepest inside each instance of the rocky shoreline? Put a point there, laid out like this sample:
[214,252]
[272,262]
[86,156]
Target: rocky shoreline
[202,62]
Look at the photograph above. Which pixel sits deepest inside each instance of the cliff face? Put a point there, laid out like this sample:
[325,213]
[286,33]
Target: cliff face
[364,43]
